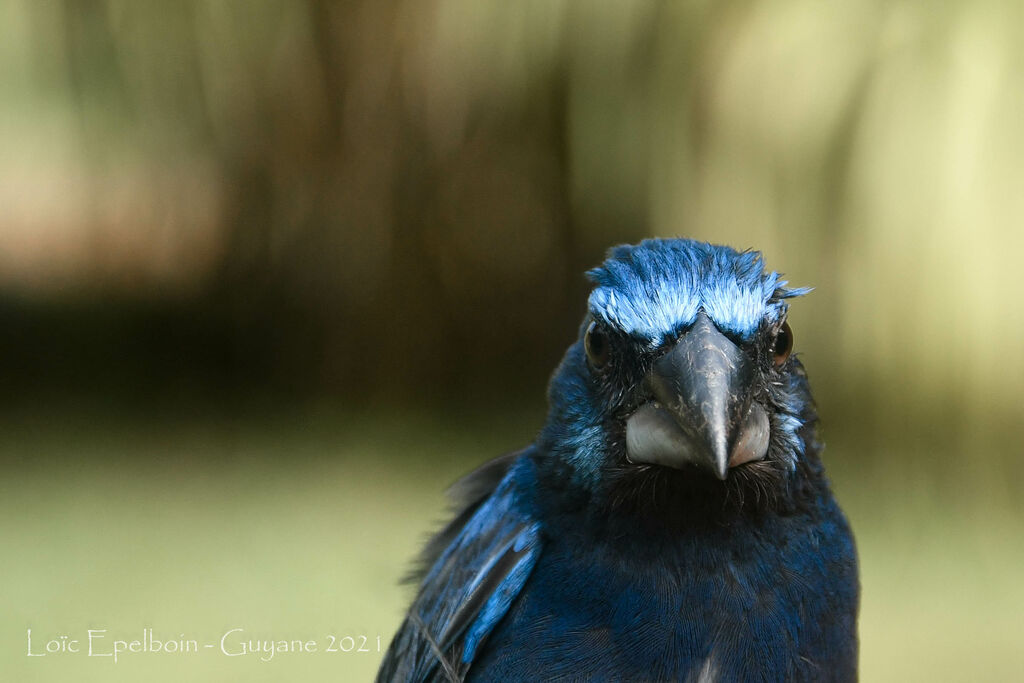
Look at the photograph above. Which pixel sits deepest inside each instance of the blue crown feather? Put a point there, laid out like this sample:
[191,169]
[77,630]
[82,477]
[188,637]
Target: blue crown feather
[654,290]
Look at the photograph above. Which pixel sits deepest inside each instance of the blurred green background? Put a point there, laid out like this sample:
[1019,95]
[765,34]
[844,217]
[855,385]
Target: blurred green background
[273,274]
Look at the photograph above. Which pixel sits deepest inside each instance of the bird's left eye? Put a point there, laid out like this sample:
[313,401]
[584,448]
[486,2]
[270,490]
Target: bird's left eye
[783,344]
[597,347]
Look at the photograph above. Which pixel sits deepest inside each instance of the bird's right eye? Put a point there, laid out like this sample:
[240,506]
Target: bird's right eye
[783,344]
[595,341]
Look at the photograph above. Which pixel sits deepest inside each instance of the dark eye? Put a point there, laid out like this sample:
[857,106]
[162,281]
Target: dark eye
[596,343]
[783,344]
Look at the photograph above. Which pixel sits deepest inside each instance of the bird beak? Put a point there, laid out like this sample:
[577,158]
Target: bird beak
[701,414]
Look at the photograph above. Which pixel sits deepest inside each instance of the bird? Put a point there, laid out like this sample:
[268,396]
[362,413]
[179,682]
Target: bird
[671,521]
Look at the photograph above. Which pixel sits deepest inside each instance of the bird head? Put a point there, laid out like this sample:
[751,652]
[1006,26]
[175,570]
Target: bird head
[682,379]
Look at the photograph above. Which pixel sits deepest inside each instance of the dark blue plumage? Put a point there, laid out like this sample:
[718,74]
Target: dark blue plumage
[672,520]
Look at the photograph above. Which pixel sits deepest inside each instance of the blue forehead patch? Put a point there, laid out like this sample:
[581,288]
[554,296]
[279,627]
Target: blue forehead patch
[653,290]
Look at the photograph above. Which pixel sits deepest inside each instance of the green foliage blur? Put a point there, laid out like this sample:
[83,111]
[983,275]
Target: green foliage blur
[273,273]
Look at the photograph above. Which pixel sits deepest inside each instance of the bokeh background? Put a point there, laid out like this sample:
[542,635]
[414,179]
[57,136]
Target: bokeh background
[273,274]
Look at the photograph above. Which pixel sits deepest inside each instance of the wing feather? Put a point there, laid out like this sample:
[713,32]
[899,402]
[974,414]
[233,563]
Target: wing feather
[470,583]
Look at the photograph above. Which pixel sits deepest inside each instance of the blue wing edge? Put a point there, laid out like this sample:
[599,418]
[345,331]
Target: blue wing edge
[472,571]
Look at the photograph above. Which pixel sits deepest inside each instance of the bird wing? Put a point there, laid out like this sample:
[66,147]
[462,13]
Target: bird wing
[477,566]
